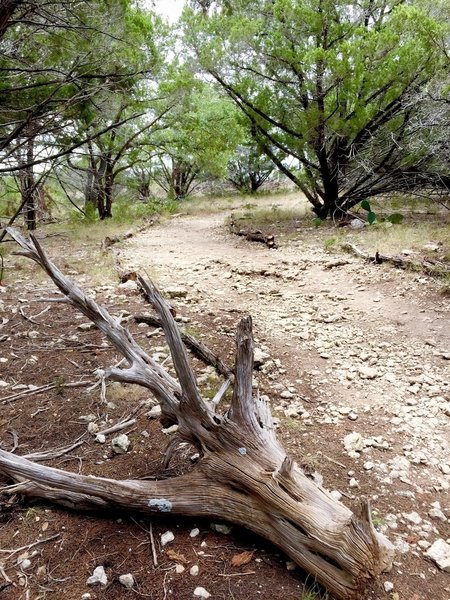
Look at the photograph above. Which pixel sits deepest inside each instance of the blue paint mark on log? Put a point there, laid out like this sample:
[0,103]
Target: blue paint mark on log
[243,451]
[161,504]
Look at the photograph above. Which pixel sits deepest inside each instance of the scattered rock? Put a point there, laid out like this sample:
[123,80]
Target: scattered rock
[194,570]
[167,537]
[170,430]
[368,372]
[436,513]
[401,546]
[440,553]
[25,564]
[353,442]
[176,292]
[200,592]
[120,444]
[86,326]
[92,428]
[194,532]
[155,412]
[413,517]
[128,579]
[260,357]
[388,586]
[98,577]
[336,495]
[128,286]
[221,528]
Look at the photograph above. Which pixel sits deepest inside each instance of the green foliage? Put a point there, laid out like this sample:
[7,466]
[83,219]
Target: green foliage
[200,133]
[314,592]
[127,211]
[2,264]
[325,83]
[60,385]
[376,518]
[394,219]
[330,242]
[90,215]
[371,217]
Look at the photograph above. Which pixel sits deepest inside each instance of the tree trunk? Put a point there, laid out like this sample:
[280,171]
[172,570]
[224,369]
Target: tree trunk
[28,187]
[243,474]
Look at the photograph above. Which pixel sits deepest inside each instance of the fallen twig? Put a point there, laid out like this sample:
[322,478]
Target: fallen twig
[236,574]
[55,453]
[30,319]
[44,388]
[4,575]
[152,542]
[252,235]
[29,546]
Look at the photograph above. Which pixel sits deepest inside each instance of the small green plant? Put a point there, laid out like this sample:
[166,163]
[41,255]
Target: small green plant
[291,424]
[89,216]
[377,520]
[330,242]
[394,219]
[371,216]
[60,385]
[314,592]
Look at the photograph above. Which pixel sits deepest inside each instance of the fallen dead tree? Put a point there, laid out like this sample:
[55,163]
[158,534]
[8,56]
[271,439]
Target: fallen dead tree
[252,235]
[243,474]
[429,266]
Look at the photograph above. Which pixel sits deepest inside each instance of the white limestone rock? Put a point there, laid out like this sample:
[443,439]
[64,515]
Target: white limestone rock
[440,554]
[98,577]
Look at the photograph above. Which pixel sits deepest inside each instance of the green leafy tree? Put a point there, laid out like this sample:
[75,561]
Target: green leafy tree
[330,85]
[61,61]
[250,168]
[202,131]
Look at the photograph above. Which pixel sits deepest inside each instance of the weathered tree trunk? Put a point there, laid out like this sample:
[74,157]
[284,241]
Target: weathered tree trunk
[243,475]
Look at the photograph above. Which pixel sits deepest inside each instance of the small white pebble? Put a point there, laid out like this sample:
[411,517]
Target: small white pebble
[166,538]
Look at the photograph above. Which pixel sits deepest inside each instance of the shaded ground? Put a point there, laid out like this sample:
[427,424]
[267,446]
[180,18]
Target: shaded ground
[346,347]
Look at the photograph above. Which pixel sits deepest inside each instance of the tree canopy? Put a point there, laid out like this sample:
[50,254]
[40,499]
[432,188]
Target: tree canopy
[333,84]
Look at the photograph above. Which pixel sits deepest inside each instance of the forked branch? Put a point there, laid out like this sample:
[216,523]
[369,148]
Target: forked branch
[243,474]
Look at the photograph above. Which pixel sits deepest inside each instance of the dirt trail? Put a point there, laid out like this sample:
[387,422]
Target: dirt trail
[198,251]
[354,348]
